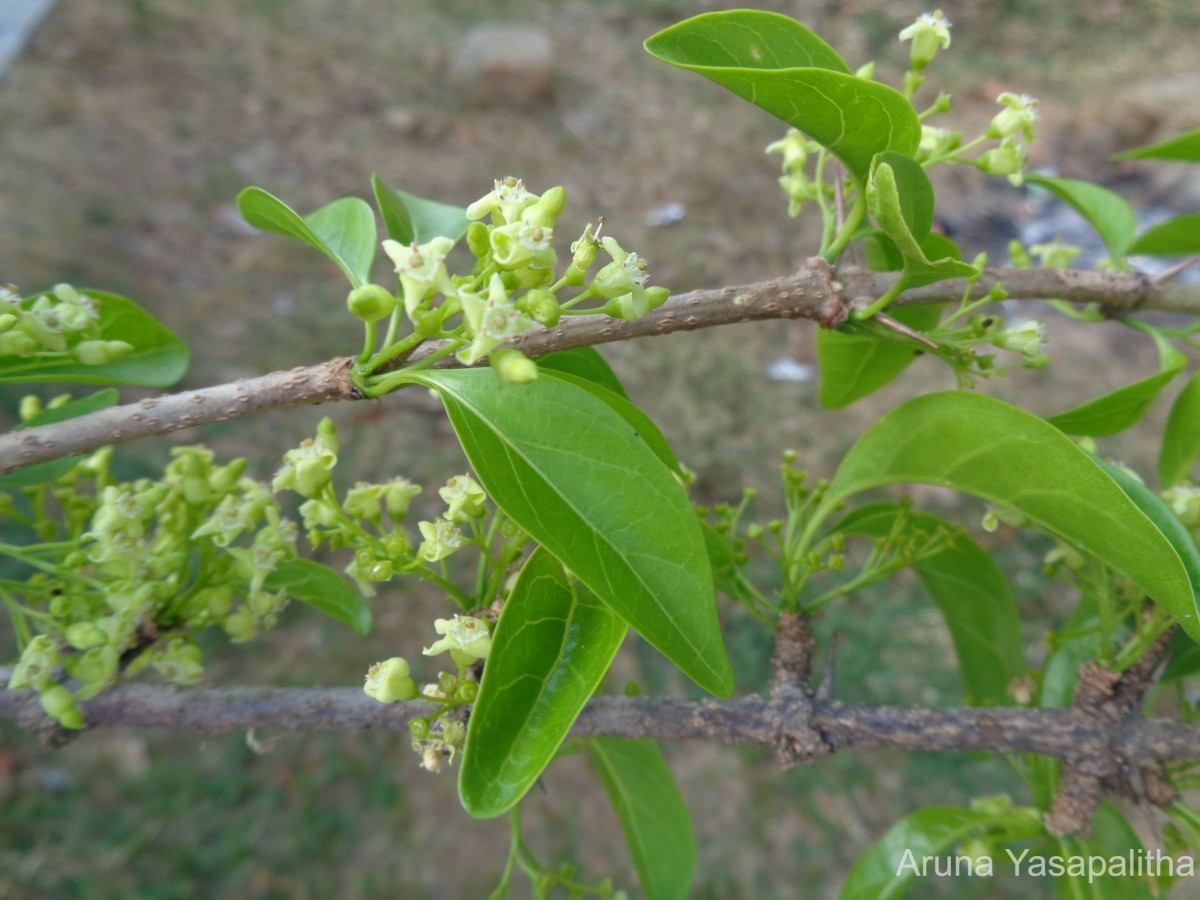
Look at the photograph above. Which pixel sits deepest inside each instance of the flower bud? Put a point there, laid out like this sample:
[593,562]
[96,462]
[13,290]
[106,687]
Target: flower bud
[85,635]
[17,343]
[478,239]
[547,210]
[370,303]
[389,681]
[397,495]
[97,353]
[36,664]
[513,367]
[541,306]
[1018,116]
[59,704]
[31,405]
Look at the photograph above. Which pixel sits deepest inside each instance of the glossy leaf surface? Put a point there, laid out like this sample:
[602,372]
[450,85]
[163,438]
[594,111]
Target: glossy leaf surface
[322,589]
[578,478]
[783,68]
[985,447]
[1181,437]
[653,816]
[410,219]
[584,362]
[1179,236]
[1124,407]
[550,650]
[159,358]
[855,364]
[1106,212]
[884,871]
[1185,147]
[343,230]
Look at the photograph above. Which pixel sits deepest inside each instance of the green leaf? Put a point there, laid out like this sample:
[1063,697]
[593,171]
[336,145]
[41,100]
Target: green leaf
[783,68]
[1124,407]
[1181,436]
[1186,147]
[972,595]
[1184,656]
[855,364]
[643,425]
[887,869]
[159,358]
[343,230]
[653,816]
[982,446]
[1160,514]
[550,650]
[323,589]
[1113,836]
[900,200]
[1105,211]
[576,477]
[56,468]
[584,362]
[414,220]
[1179,236]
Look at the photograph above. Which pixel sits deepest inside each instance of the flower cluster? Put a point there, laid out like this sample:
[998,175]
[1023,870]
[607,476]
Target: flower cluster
[142,567]
[62,323]
[511,289]
[795,149]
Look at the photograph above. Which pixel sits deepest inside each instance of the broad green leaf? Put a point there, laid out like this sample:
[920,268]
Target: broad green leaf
[900,200]
[653,816]
[1181,437]
[973,597]
[1105,211]
[1113,837]
[1186,147]
[323,589]
[1179,236]
[1160,514]
[576,477]
[985,447]
[855,364]
[643,425]
[159,358]
[343,230]
[56,468]
[783,68]
[414,220]
[584,362]
[888,867]
[550,650]
[1124,407]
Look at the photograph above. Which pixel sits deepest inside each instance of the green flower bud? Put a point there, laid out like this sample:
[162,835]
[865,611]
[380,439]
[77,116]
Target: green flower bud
[97,353]
[370,303]
[656,296]
[419,729]
[447,684]
[397,495]
[1018,116]
[363,502]
[59,704]
[96,667]
[31,405]
[541,306]
[513,367]
[547,210]
[7,321]
[17,343]
[389,681]
[467,691]
[85,636]
[478,240]
[179,662]
[1008,159]
[241,625]
[1056,254]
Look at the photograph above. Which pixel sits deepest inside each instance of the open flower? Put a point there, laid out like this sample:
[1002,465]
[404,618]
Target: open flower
[930,33]
[422,270]
[442,538]
[506,201]
[466,637]
[489,322]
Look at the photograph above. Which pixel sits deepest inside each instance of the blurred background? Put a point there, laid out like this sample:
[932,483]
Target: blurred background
[127,129]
